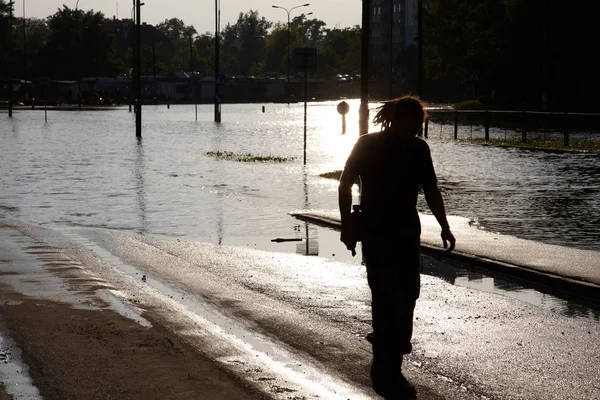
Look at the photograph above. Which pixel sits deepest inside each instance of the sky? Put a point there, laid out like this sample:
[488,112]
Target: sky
[201,13]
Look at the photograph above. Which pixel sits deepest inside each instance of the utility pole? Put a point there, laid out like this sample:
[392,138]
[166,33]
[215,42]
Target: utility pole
[154,73]
[24,44]
[420,49]
[391,71]
[10,60]
[192,77]
[138,70]
[217,39]
[79,58]
[363,112]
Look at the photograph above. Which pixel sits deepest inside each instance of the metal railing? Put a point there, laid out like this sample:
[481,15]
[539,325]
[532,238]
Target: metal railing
[523,126]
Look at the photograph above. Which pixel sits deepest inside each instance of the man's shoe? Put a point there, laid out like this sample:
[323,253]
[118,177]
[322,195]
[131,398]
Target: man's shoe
[402,390]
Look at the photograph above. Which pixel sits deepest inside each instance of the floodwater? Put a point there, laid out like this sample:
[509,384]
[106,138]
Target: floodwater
[87,168]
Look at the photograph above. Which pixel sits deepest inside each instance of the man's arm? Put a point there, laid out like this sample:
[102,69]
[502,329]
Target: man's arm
[435,201]
[345,202]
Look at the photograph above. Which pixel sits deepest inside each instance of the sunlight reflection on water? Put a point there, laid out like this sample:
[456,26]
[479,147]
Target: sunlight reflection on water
[87,168]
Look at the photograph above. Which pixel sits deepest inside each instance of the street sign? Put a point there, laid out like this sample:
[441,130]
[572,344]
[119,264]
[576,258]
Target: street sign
[218,99]
[305,59]
[220,78]
[473,77]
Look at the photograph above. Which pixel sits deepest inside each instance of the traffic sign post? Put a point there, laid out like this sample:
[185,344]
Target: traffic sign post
[305,60]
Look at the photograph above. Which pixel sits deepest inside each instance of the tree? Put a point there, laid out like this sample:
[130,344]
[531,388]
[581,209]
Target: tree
[276,56]
[340,52]
[175,28]
[244,45]
[312,31]
[79,44]
[30,36]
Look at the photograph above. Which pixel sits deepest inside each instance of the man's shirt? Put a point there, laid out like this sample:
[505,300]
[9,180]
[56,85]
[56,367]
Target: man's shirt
[391,171]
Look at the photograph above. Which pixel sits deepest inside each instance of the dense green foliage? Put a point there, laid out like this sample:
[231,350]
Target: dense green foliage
[533,54]
[526,54]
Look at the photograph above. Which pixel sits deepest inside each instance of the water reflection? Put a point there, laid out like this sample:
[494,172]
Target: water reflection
[139,171]
[565,305]
[309,246]
[77,170]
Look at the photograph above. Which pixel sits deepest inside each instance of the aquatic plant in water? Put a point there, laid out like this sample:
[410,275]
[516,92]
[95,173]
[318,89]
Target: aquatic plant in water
[247,157]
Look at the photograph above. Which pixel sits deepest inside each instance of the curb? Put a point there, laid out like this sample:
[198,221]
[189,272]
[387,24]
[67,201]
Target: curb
[534,278]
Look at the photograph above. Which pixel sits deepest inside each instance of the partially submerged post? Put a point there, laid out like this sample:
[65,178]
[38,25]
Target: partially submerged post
[342,109]
[487,125]
[305,60]
[363,112]
[217,96]
[10,80]
[138,72]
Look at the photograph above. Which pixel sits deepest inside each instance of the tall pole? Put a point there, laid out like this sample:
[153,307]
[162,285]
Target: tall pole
[288,36]
[78,58]
[363,117]
[138,71]
[305,100]
[217,40]
[391,72]
[420,49]
[154,71]
[132,74]
[24,43]
[10,61]
[192,77]
[288,47]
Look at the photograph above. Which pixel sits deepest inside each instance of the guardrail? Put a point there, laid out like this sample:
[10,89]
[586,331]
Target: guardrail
[518,121]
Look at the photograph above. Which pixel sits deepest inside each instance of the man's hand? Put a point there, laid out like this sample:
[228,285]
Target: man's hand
[349,239]
[447,236]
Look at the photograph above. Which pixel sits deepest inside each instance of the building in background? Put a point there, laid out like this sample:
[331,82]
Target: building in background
[393,29]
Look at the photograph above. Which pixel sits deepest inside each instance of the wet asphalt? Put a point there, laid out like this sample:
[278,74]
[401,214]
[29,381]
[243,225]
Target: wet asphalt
[294,326]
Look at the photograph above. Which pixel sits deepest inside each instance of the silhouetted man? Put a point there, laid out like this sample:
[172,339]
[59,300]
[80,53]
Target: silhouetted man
[392,165]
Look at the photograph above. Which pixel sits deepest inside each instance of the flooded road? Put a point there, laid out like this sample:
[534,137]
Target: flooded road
[295,325]
[190,237]
[88,169]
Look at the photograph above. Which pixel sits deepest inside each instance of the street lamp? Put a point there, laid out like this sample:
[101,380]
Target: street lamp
[193,80]
[79,58]
[288,34]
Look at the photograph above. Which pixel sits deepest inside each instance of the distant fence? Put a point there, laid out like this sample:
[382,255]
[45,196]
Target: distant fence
[517,125]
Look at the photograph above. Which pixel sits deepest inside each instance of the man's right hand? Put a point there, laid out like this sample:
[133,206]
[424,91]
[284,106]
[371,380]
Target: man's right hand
[349,239]
[448,237]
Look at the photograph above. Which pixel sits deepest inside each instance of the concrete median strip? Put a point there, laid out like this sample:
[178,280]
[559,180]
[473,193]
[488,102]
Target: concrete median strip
[563,268]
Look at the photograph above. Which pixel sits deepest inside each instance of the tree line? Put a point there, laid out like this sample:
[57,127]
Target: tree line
[74,43]
[530,54]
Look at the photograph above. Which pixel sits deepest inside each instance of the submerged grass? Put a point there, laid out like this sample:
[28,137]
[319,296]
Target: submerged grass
[332,175]
[247,157]
[556,145]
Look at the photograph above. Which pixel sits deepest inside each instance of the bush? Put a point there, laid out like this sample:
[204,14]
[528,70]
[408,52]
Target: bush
[469,105]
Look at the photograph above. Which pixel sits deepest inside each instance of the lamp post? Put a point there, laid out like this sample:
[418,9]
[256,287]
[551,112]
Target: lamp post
[138,69]
[420,48]
[217,98]
[10,80]
[193,80]
[79,63]
[363,113]
[288,34]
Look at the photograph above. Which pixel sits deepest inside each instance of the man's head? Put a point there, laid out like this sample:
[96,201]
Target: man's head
[403,116]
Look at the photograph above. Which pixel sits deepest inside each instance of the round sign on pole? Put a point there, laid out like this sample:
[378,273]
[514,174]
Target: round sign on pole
[343,108]
[218,98]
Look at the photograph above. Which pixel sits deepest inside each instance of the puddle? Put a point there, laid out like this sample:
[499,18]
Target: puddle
[554,302]
[324,242]
[14,372]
